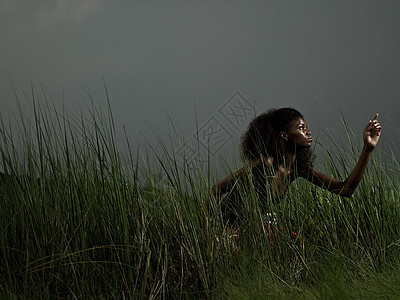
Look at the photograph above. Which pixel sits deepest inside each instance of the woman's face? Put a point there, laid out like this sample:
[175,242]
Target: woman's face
[299,134]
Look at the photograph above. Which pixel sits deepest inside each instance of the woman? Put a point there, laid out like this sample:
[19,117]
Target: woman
[277,145]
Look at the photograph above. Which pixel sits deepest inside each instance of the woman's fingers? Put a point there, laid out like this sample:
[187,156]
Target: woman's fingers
[370,126]
[374,124]
[374,128]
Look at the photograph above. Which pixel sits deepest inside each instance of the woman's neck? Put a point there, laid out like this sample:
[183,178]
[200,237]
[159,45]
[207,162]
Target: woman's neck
[288,162]
[284,175]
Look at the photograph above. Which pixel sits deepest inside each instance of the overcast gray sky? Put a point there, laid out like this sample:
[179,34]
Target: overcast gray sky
[217,61]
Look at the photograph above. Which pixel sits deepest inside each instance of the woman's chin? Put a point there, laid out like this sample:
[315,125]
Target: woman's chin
[305,145]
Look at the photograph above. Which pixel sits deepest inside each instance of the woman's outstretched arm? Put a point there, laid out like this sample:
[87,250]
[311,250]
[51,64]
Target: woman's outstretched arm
[346,188]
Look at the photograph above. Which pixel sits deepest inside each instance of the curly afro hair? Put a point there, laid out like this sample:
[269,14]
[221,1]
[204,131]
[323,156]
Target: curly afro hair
[262,137]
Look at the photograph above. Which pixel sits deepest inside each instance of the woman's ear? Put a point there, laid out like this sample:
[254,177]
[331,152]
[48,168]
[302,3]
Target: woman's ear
[284,136]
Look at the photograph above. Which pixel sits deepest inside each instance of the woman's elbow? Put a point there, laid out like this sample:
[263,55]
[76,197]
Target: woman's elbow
[347,192]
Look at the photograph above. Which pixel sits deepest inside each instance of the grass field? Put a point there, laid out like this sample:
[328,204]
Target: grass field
[80,220]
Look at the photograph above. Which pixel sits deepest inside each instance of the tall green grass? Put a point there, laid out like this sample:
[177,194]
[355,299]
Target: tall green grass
[79,219]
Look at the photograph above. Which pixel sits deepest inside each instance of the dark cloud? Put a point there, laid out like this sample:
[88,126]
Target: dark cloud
[163,58]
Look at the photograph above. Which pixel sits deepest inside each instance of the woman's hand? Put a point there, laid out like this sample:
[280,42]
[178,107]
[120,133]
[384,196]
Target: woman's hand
[372,133]
[346,188]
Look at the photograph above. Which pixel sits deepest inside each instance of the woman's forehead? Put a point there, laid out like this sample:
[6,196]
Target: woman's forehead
[298,121]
